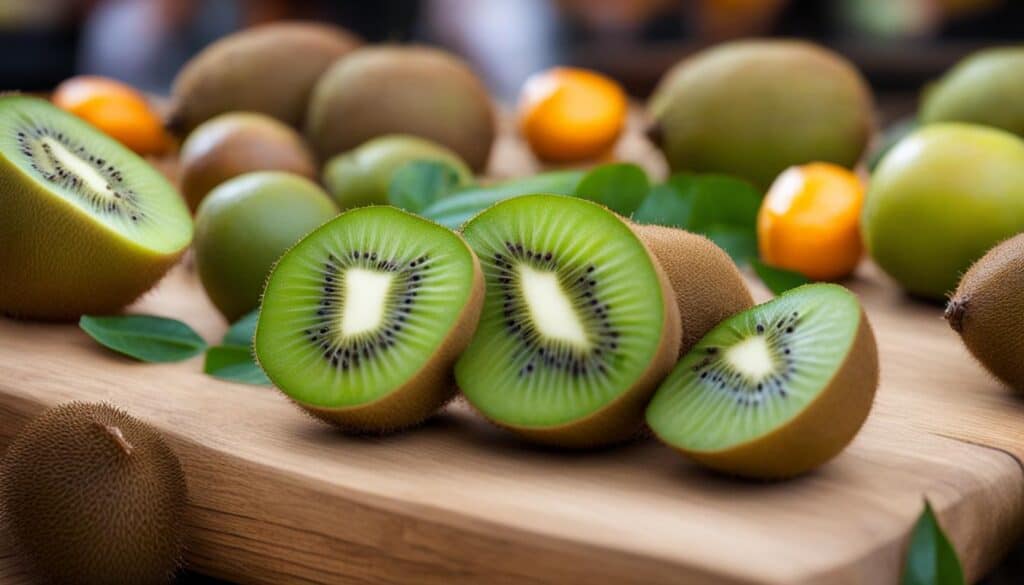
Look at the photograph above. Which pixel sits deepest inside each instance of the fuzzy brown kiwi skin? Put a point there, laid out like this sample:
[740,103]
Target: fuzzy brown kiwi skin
[820,432]
[425,392]
[986,311]
[132,526]
[708,286]
[622,419]
[47,278]
[270,69]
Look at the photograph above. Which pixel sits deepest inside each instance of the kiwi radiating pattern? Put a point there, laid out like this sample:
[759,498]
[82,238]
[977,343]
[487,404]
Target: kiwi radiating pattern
[361,305]
[574,311]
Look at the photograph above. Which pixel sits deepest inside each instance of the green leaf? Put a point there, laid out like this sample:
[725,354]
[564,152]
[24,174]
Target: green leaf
[739,242]
[719,199]
[778,280]
[665,205]
[235,364]
[417,184]
[144,337]
[620,187]
[931,559]
[242,331]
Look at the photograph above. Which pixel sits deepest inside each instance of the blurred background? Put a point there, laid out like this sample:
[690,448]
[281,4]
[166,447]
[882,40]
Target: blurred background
[898,44]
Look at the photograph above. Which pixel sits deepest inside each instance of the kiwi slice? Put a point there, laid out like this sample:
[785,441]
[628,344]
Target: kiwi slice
[362,320]
[87,225]
[579,323]
[773,391]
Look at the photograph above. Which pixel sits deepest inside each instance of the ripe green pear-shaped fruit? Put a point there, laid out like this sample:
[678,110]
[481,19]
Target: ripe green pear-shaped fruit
[939,200]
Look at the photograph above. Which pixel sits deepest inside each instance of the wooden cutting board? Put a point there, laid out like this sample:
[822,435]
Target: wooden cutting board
[280,498]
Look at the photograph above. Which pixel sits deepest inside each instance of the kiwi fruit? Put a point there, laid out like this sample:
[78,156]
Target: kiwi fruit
[985,88]
[245,225]
[708,286]
[87,226]
[269,69]
[986,311]
[362,320]
[774,391]
[413,90]
[754,108]
[579,323]
[363,176]
[236,143]
[93,495]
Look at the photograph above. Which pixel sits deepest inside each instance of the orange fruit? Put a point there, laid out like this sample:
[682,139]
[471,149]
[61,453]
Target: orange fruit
[809,221]
[568,114]
[116,109]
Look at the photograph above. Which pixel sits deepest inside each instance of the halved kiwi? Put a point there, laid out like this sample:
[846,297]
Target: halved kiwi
[86,225]
[775,390]
[362,320]
[579,322]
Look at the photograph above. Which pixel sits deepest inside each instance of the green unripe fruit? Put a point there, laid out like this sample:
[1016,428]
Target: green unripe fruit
[242,228]
[939,200]
[362,176]
[985,88]
[754,108]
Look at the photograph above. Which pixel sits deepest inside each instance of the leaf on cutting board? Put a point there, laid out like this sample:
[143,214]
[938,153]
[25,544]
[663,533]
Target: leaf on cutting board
[931,559]
[234,363]
[145,337]
[737,241]
[665,205]
[418,184]
[242,331]
[620,187]
[778,280]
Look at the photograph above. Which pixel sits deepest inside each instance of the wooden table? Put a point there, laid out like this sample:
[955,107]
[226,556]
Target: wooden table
[277,497]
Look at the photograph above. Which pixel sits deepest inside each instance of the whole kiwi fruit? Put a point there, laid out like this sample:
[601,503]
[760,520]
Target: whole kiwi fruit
[245,225]
[87,226]
[93,495]
[236,143]
[754,108]
[414,90]
[270,69]
[987,311]
[708,287]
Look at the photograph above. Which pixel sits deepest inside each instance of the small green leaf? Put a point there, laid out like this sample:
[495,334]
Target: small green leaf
[778,280]
[144,337]
[665,205]
[739,242]
[419,183]
[242,331]
[620,187]
[931,559]
[235,364]
[719,199]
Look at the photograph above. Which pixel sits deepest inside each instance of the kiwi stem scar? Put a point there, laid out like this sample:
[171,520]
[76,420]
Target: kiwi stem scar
[118,437]
[366,293]
[550,309]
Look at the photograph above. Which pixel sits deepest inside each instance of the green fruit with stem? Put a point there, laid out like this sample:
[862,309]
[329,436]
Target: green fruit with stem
[246,224]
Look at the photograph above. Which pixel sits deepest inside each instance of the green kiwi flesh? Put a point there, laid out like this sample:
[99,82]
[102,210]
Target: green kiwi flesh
[362,320]
[578,325]
[775,390]
[87,225]
[93,495]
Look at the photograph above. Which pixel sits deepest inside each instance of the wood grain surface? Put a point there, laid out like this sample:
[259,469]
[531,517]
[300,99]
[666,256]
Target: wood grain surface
[277,497]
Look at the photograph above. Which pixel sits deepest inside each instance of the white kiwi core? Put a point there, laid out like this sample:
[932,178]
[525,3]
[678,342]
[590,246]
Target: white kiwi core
[551,310]
[751,357]
[79,167]
[366,294]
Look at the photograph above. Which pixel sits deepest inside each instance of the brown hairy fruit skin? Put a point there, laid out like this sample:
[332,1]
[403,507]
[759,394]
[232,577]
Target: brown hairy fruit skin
[236,143]
[987,311]
[402,90]
[754,108]
[269,69]
[95,496]
[708,286]
[820,431]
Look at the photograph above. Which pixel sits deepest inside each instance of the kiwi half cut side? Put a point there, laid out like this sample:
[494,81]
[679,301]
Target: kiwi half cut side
[579,323]
[362,320]
[87,225]
[773,391]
